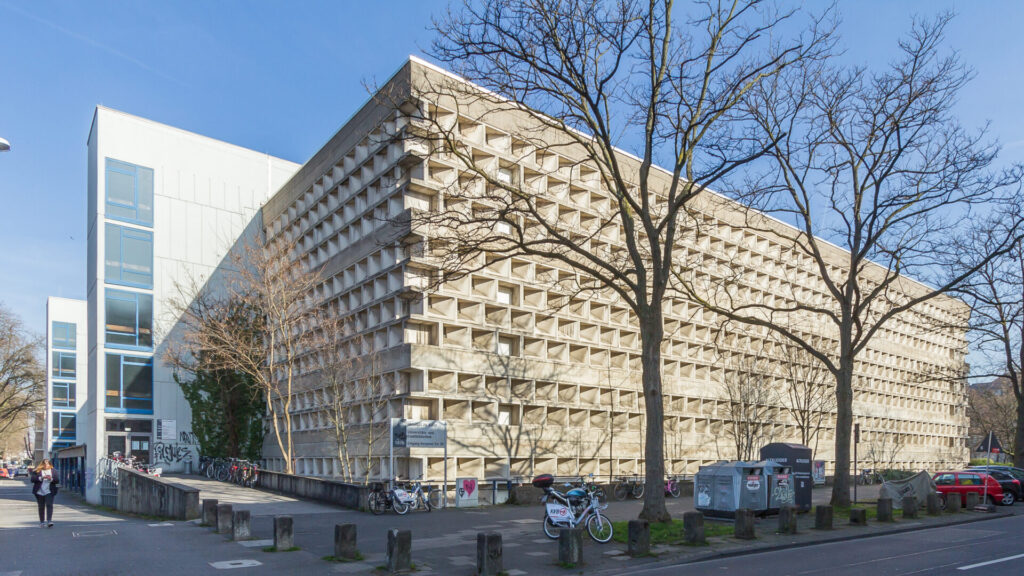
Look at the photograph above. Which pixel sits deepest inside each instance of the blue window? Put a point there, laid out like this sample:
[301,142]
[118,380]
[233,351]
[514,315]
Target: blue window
[129,192]
[63,426]
[63,364]
[129,319]
[129,258]
[129,384]
[63,394]
[63,334]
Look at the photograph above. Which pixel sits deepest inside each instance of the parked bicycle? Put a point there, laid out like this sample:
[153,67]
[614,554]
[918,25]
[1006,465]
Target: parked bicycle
[380,499]
[672,487]
[589,485]
[868,477]
[418,497]
[577,507]
[629,487]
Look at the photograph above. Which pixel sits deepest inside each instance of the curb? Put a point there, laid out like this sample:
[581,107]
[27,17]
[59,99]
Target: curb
[698,558]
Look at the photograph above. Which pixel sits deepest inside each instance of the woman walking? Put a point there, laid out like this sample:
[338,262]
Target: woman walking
[44,488]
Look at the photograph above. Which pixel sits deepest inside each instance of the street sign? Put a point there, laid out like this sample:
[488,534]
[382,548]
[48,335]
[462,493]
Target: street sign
[418,433]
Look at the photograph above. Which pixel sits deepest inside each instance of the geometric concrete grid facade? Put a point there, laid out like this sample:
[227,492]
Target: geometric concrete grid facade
[530,379]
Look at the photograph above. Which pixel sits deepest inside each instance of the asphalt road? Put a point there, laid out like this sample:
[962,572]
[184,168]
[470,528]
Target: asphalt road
[982,548]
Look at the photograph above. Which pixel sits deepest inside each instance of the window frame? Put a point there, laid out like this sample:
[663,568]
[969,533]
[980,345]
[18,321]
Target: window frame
[127,296]
[132,170]
[120,408]
[58,419]
[133,234]
[56,359]
[71,387]
[64,342]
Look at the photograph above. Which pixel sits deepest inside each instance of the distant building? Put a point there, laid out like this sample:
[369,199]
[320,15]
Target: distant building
[66,369]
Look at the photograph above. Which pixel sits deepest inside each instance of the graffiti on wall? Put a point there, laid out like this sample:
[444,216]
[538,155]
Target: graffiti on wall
[171,452]
[188,438]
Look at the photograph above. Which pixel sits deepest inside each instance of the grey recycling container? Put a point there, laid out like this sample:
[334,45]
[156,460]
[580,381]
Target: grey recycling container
[722,488]
[798,458]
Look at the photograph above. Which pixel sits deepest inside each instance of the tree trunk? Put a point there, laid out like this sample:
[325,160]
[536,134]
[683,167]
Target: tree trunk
[844,425]
[1018,437]
[651,333]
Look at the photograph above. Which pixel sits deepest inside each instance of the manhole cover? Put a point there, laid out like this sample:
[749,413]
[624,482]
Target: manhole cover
[229,564]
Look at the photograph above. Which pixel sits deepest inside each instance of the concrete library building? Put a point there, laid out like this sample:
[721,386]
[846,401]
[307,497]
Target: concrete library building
[527,375]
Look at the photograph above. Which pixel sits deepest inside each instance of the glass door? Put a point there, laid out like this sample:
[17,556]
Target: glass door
[140,448]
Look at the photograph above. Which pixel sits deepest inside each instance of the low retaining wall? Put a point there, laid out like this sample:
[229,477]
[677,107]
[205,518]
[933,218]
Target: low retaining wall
[139,493]
[352,496]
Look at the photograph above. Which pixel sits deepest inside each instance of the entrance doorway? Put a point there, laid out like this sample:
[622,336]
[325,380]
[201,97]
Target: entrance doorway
[130,438]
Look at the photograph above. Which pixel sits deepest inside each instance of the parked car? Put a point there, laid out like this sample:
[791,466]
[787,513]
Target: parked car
[3,473]
[21,471]
[1008,482]
[951,484]
[1017,473]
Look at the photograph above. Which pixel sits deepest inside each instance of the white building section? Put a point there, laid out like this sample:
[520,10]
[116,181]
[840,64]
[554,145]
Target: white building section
[66,355]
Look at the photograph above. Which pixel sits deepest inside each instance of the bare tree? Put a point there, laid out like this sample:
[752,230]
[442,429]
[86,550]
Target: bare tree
[885,443]
[258,320]
[810,398]
[875,164]
[752,398]
[573,81]
[996,296]
[22,376]
[335,368]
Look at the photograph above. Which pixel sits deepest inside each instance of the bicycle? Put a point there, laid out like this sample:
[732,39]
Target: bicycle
[672,487]
[418,498]
[589,485]
[380,500]
[629,487]
[868,477]
[575,508]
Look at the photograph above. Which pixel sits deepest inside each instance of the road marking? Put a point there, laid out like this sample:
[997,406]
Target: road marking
[94,533]
[161,524]
[996,561]
[15,573]
[229,564]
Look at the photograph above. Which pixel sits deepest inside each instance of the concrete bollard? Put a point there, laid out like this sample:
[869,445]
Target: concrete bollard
[787,520]
[953,503]
[570,546]
[284,537]
[743,529]
[822,517]
[858,517]
[241,525]
[345,541]
[934,504]
[488,554]
[224,518]
[639,541]
[909,507]
[884,513]
[972,500]
[210,512]
[398,555]
[693,528]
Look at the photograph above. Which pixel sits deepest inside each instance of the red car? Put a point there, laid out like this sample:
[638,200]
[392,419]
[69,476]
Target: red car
[950,483]
[3,472]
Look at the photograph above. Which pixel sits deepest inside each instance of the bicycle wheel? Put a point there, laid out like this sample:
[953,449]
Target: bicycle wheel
[638,490]
[425,502]
[673,490]
[223,473]
[434,498]
[599,528]
[550,528]
[377,503]
[400,508]
[621,491]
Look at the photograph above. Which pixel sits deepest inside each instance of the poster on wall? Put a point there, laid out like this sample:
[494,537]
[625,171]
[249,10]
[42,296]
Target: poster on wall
[818,472]
[166,430]
[467,493]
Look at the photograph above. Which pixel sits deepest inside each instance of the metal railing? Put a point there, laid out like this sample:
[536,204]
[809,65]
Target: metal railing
[106,472]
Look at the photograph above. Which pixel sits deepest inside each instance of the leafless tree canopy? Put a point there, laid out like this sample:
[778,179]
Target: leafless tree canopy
[584,79]
[810,398]
[753,399]
[259,321]
[875,163]
[22,376]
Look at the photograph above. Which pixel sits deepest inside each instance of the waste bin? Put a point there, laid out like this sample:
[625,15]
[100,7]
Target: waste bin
[798,458]
[721,488]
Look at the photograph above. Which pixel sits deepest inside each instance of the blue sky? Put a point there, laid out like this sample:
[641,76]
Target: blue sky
[281,77]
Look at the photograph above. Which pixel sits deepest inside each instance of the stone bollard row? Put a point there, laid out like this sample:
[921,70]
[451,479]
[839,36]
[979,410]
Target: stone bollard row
[398,554]
[743,529]
[823,518]
[934,504]
[909,507]
[693,528]
[972,500]
[488,554]
[570,546]
[787,520]
[638,542]
[953,503]
[884,513]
